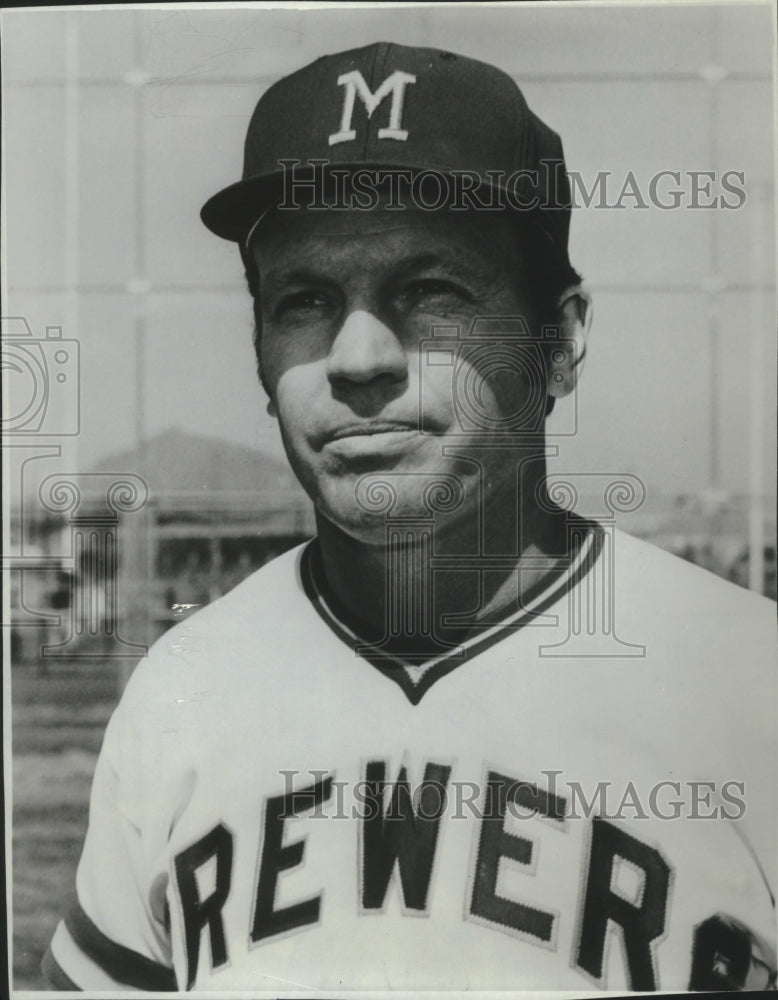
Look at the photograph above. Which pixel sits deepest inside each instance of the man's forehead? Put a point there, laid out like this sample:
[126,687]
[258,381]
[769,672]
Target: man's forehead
[454,235]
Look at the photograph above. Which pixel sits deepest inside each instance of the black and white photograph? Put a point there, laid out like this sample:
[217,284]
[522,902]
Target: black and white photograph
[389,498]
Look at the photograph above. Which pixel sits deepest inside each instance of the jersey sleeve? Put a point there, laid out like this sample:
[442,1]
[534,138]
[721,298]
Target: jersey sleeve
[116,934]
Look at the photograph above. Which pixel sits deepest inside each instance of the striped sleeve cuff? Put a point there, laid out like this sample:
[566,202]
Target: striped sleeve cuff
[55,975]
[82,957]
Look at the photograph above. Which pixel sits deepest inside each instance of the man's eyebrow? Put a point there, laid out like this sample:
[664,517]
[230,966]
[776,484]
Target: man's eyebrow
[459,264]
[420,262]
[290,276]
[462,265]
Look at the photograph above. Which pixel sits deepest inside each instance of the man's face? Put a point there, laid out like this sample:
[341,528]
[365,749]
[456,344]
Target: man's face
[347,299]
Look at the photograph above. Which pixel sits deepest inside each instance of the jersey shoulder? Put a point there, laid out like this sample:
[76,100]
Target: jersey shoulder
[259,607]
[706,637]
[255,602]
[228,649]
[669,584]
[710,646]
[208,673]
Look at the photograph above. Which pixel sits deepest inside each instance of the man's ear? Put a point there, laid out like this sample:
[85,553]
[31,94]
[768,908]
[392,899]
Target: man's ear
[271,408]
[566,358]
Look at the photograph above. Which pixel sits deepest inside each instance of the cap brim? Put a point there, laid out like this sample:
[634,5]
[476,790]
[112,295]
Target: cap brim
[232,212]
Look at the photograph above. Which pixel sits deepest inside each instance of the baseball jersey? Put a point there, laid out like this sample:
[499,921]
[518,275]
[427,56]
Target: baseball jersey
[580,795]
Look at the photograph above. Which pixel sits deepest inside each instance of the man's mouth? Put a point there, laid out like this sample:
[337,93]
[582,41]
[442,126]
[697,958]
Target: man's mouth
[373,438]
[372,428]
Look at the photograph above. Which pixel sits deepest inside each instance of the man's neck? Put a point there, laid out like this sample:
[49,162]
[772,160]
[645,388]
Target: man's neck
[389,588]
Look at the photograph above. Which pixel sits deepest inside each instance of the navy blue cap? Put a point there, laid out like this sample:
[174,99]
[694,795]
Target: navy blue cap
[393,106]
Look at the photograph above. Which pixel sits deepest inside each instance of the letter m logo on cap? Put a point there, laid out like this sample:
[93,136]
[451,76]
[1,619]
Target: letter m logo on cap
[354,83]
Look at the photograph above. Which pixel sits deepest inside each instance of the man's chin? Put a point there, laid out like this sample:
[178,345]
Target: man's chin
[366,511]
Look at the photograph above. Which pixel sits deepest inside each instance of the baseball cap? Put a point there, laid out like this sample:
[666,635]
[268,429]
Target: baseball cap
[389,106]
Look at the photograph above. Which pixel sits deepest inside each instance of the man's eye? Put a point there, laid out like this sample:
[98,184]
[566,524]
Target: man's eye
[302,302]
[431,292]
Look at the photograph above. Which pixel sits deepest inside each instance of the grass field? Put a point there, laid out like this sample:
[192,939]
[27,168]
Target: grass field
[58,723]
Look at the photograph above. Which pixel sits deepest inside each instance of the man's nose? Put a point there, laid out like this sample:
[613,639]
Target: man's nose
[366,349]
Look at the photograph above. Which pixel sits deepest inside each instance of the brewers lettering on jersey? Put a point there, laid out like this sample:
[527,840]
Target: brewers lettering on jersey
[464,738]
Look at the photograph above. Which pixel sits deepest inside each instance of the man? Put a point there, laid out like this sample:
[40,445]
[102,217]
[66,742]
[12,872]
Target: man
[427,711]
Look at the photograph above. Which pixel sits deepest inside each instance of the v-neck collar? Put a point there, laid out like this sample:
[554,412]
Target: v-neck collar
[417,677]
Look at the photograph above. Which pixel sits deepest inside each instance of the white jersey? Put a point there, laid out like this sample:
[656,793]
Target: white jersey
[580,796]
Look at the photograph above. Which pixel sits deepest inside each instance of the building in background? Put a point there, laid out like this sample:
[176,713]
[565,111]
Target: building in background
[215,512]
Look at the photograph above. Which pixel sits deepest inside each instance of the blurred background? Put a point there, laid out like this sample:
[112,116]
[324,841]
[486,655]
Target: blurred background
[142,473]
